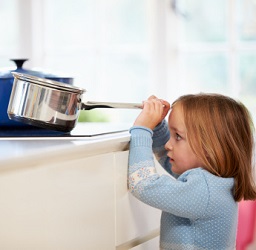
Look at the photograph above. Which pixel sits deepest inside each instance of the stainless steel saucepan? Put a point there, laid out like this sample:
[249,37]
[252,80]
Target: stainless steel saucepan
[51,104]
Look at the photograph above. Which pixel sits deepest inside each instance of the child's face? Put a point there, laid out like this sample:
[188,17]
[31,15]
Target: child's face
[180,153]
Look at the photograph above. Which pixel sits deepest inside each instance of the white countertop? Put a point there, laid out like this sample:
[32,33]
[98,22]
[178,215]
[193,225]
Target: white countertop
[57,191]
[16,152]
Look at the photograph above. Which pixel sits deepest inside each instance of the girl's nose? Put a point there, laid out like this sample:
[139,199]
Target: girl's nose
[168,145]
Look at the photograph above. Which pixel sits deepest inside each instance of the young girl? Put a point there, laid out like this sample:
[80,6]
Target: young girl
[208,147]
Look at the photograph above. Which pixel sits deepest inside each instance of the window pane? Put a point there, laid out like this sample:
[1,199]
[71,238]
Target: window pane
[248,73]
[203,20]
[105,45]
[93,23]
[73,21]
[247,20]
[205,73]
[9,31]
[248,79]
[130,72]
[126,22]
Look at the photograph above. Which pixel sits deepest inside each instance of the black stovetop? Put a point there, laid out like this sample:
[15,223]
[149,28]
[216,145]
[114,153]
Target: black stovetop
[81,130]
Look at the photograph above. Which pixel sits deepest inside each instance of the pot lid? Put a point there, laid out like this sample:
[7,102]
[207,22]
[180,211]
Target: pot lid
[48,83]
[7,72]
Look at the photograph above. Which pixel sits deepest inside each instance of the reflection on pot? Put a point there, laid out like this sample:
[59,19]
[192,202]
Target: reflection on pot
[6,83]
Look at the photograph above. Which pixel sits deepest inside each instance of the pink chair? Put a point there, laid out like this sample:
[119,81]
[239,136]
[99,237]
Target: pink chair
[246,224]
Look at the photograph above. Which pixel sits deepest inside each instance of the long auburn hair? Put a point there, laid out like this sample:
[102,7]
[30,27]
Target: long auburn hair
[220,132]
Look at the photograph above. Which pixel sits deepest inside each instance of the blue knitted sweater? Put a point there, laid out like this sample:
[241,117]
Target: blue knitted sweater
[198,208]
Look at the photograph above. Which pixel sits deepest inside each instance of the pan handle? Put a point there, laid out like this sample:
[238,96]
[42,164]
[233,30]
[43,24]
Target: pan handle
[91,105]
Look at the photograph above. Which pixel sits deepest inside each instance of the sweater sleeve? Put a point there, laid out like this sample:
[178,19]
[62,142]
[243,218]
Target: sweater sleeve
[161,135]
[186,197]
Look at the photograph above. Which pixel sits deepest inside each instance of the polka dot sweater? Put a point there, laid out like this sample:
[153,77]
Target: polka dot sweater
[198,209]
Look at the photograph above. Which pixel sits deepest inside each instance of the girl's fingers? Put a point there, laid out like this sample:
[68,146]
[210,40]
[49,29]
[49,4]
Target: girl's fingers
[152,97]
[154,105]
[153,112]
[165,103]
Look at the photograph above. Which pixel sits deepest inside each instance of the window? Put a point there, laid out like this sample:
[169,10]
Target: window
[215,48]
[126,50]
[10,35]
[105,44]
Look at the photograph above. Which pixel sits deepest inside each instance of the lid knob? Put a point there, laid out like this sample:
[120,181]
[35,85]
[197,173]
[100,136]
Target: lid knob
[19,62]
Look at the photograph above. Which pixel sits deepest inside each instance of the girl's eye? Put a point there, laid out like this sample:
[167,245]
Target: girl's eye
[177,137]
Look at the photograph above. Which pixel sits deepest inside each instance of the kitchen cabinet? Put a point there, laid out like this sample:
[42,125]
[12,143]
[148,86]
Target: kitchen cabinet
[152,244]
[72,195]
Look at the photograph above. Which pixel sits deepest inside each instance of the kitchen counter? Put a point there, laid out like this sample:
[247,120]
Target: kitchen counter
[71,193]
[98,138]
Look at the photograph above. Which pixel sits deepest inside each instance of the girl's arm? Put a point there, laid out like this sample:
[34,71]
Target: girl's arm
[161,135]
[187,196]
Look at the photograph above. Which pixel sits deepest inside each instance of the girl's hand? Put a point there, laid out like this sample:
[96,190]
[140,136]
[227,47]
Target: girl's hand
[153,112]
